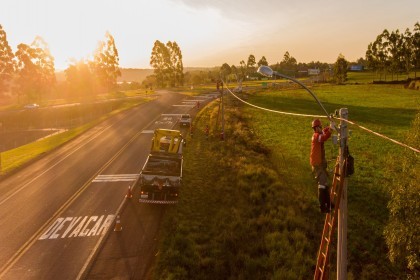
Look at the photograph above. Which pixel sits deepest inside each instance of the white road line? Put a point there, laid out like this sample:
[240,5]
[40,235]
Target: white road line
[183,106]
[92,137]
[147,131]
[171,115]
[116,178]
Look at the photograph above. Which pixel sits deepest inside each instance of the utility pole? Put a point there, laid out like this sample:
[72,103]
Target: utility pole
[223,116]
[342,211]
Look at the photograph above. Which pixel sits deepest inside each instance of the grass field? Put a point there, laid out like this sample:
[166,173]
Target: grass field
[248,209]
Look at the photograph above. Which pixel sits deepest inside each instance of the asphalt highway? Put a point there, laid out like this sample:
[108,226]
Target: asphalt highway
[56,212]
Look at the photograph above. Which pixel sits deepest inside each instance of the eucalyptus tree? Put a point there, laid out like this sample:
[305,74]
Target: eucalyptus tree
[262,61]
[377,54]
[288,64]
[35,70]
[407,51]
[7,66]
[160,60]
[176,66]
[242,69]
[416,48]
[395,52]
[106,62]
[166,61]
[250,64]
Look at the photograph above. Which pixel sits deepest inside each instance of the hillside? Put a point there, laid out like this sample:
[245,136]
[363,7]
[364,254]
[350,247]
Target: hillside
[134,74]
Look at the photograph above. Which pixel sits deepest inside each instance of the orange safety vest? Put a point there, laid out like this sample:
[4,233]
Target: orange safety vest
[317,156]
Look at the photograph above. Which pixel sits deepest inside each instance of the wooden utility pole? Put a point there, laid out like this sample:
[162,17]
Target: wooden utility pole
[342,210]
[223,114]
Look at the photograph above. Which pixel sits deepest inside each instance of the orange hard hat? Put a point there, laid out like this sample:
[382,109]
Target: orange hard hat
[316,123]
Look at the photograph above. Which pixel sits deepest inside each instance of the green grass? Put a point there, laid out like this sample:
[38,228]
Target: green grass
[235,219]
[13,159]
[248,207]
[385,109]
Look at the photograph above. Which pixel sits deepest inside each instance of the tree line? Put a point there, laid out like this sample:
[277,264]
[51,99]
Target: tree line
[395,52]
[288,66]
[391,53]
[29,73]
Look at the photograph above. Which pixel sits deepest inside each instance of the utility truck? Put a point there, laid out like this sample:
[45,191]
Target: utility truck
[161,176]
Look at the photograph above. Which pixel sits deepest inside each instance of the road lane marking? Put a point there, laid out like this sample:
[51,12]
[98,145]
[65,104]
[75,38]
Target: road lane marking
[28,244]
[190,106]
[116,178]
[8,196]
[171,115]
[147,131]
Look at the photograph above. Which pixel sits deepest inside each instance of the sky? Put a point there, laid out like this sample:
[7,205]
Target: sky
[208,32]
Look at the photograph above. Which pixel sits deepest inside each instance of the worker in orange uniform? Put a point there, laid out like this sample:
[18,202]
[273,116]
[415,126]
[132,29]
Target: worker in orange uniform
[319,163]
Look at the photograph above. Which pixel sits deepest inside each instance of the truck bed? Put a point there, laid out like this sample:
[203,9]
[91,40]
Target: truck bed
[162,166]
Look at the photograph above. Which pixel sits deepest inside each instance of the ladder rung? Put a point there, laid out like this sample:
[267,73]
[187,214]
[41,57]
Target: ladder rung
[324,255]
[326,239]
[320,269]
[330,224]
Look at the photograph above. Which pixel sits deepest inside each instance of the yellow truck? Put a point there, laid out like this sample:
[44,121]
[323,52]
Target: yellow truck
[161,176]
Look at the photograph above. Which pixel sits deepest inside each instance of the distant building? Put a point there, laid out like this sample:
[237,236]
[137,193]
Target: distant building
[356,68]
[313,72]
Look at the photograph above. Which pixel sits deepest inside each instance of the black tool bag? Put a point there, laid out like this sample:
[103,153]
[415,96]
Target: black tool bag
[349,163]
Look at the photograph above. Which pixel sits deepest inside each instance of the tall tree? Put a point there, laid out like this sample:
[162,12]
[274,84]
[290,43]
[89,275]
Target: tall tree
[225,70]
[176,67]
[262,61]
[242,70]
[288,64]
[250,64]
[416,47]
[395,52]
[7,67]
[35,69]
[106,62]
[160,60]
[80,79]
[340,69]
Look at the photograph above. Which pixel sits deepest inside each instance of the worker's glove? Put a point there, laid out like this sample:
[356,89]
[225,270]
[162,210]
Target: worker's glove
[333,126]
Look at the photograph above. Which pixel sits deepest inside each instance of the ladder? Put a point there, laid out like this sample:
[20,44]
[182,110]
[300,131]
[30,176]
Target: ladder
[322,263]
